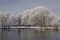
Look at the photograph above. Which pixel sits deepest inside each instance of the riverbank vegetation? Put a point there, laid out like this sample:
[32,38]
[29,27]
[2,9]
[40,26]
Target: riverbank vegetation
[39,16]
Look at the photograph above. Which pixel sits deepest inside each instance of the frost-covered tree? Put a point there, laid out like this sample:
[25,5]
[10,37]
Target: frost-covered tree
[13,20]
[3,19]
[56,24]
[19,19]
[38,16]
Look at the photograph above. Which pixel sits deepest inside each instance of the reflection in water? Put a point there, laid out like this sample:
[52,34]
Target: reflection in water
[19,31]
[27,34]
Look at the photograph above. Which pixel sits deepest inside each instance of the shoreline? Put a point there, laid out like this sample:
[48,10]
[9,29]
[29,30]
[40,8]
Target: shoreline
[39,28]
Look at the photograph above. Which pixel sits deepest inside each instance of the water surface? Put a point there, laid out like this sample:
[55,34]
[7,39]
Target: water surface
[29,34]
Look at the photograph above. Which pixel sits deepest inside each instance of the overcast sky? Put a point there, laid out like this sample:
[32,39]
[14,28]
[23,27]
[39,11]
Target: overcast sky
[18,6]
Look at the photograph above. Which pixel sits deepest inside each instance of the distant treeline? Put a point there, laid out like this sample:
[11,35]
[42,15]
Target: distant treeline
[36,16]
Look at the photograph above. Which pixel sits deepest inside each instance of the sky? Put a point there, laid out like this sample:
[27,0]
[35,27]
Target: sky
[18,6]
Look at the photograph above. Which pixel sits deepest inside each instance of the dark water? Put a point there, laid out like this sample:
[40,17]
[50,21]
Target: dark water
[29,34]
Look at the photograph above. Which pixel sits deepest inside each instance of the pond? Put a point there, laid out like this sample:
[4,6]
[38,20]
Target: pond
[29,34]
